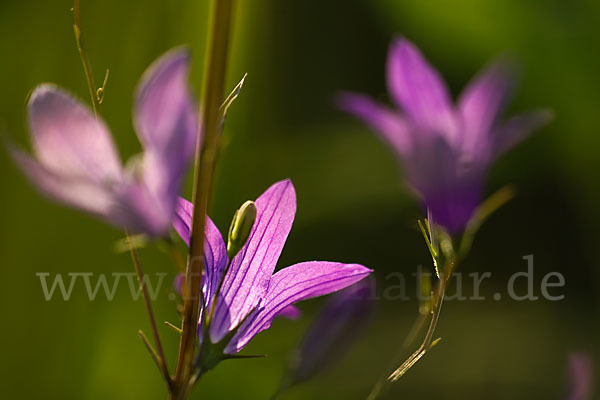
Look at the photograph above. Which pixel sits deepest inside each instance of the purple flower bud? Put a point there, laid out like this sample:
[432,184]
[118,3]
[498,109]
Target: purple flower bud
[333,332]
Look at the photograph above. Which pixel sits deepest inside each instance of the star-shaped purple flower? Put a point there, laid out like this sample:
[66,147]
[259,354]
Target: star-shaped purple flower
[76,163]
[251,295]
[445,149]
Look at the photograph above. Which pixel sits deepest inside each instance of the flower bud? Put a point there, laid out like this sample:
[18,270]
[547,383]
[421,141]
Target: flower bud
[240,228]
[333,332]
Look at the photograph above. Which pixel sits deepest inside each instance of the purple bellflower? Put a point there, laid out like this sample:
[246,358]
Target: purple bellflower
[333,332]
[245,293]
[445,149]
[76,163]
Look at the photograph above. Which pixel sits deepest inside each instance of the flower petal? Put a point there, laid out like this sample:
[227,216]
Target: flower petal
[449,182]
[292,284]
[418,89]
[80,193]
[290,312]
[247,279]
[215,251]
[167,125]
[165,114]
[482,102]
[390,126]
[517,128]
[68,140]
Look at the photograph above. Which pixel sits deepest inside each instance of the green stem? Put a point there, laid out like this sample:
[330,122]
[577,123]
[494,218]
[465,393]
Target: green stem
[214,82]
[87,69]
[161,355]
[428,340]
[382,384]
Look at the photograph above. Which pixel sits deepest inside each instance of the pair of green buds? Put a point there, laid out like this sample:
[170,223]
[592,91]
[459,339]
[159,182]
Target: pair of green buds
[240,228]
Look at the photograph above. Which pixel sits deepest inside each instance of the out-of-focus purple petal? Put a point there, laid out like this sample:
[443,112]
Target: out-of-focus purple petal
[290,312]
[333,332]
[138,210]
[580,376]
[292,284]
[482,102]
[80,193]
[68,140]
[247,279]
[418,89]
[390,126]
[215,250]
[517,128]
[166,123]
[165,113]
[450,184]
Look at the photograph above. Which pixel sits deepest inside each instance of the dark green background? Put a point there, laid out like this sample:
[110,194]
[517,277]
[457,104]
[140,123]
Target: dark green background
[351,203]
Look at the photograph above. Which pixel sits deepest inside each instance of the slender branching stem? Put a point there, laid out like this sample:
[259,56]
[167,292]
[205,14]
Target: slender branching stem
[96,96]
[382,384]
[162,361]
[214,81]
[87,69]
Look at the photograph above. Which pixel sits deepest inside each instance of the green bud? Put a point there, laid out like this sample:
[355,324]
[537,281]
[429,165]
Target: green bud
[240,228]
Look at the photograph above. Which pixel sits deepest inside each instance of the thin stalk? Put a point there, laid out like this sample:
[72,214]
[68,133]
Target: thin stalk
[151,350]
[96,96]
[380,387]
[428,340]
[214,82]
[161,355]
[87,69]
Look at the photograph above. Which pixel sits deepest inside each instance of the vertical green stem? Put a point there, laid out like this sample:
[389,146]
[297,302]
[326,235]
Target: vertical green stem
[95,96]
[161,354]
[214,81]
[87,69]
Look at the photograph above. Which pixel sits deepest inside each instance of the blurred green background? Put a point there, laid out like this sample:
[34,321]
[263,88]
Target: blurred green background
[352,205]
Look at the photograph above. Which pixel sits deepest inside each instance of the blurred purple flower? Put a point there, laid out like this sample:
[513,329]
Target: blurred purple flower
[580,376]
[251,296]
[334,331]
[76,163]
[445,149]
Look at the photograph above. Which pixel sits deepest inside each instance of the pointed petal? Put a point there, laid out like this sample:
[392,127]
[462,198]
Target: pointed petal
[80,193]
[247,279]
[389,125]
[482,102]
[68,140]
[215,251]
[418,89]
[517,128]
[165,114]
[292,284]
[290,312]
[166,123]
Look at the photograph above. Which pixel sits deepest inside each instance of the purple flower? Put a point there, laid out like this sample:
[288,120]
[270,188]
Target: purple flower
[445,149]
[251,295]
[76,163]
[580,376]
[337,327]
